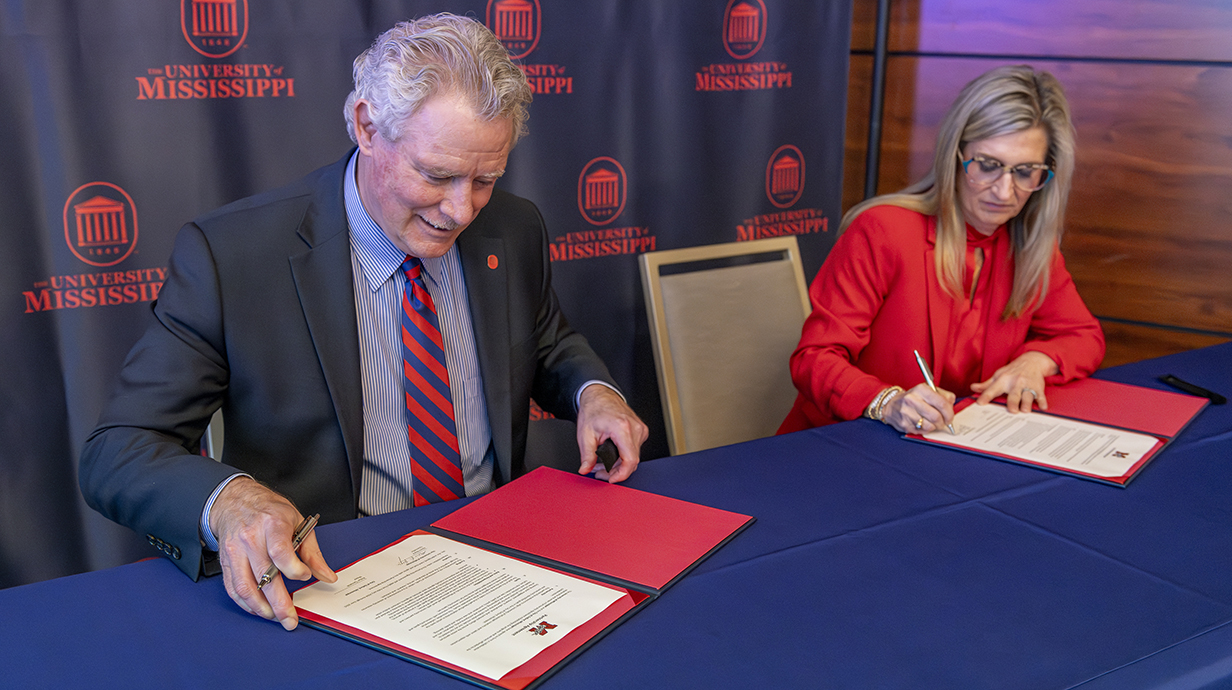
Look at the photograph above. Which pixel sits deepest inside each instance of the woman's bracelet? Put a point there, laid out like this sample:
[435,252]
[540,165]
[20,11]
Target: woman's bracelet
[871,410]
[894,391]
[876,408]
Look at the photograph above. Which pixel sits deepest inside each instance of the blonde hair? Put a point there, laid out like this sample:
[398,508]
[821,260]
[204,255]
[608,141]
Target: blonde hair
[417,59]
[1002,101]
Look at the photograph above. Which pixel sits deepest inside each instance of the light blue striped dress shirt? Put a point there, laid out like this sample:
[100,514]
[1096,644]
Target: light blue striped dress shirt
[379,283]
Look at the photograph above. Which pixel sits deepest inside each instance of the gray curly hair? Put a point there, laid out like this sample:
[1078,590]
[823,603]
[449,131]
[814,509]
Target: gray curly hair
[417,59]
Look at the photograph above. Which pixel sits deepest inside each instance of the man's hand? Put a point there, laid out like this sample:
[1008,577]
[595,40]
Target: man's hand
[254,526]
[1021,382]
[603,414]
[920,410]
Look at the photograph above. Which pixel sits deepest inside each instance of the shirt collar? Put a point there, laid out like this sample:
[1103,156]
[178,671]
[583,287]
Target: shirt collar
[378,257]
[975,238]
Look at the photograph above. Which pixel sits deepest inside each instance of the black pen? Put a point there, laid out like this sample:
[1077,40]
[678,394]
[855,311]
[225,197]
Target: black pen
[928,378]
[301,533]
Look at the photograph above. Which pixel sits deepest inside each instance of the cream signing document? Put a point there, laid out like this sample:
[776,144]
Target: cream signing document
[1047,440]
[479,610]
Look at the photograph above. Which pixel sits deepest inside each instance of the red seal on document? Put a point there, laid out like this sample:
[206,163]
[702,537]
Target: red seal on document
[542,628]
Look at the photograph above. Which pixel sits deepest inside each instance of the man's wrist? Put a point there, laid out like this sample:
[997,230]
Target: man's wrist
[577,399]
[208,540]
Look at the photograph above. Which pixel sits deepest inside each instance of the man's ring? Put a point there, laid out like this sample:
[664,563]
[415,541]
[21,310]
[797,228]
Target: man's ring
[920,424]
[1031,391]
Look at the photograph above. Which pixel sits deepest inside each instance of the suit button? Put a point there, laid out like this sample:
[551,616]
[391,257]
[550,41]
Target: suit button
[175,552]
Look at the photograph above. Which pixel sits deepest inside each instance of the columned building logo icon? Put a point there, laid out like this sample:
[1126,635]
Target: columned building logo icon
[214,28]
[602,190]
[100,224]
[744,27]
[214,18]
[785,176]
[517,25]
[744,24]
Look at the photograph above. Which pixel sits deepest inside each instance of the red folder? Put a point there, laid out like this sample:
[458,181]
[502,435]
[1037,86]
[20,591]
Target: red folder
[1162,414]
[632,541]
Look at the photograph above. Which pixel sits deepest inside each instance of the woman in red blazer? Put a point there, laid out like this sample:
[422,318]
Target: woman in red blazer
[963,266]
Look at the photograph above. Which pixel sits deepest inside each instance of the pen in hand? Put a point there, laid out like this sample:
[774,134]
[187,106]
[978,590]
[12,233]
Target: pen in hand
[301,533]
[928,378]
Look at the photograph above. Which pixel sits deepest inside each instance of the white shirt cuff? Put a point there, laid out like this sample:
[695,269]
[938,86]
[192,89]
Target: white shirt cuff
[577,399]
[207,537]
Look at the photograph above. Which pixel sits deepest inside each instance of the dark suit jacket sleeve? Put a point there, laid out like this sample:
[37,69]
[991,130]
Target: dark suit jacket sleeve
[257,315]
[139,467]
[564,358]
[526,346]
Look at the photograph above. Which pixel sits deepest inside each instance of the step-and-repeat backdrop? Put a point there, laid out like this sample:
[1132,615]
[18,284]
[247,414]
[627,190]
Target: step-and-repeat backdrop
[657,124]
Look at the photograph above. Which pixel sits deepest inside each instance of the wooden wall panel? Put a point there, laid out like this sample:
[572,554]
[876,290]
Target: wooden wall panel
[1187,30]
[855,137]
[1150,228]
[1128,342]
[1152,29]
[863,25]
[1149,231]
[901,134]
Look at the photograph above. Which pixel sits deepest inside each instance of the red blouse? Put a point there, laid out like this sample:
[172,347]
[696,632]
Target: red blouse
[878,297]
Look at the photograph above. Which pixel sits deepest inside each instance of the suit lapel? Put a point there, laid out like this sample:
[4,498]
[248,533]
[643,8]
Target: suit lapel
[487,288]
[325,284]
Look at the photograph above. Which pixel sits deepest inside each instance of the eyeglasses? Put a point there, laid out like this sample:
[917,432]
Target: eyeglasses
[1027,177]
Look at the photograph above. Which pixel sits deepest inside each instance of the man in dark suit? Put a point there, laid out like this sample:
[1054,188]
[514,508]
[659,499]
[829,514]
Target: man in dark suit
[290,311]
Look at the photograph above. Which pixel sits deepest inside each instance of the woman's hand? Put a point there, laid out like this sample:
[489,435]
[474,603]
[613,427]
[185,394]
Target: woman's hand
[1021,382]
[920,410]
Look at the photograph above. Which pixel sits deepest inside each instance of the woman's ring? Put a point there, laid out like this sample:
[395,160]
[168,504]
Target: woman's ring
[920,424]
[1031,391]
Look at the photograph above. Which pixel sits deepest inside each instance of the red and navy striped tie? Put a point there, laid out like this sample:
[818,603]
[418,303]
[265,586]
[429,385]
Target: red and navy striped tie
[435,462]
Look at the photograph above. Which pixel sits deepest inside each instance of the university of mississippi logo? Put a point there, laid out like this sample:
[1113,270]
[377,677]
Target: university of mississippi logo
[785,176]
[744,27]
[744,34]
[517,25]
[542,628]
[214,28]
[602,190]
[100,224]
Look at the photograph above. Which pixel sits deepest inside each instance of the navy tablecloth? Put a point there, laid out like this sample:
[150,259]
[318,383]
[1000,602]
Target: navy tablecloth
[874,563]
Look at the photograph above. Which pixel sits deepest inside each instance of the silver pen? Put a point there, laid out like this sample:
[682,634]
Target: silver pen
[301,533]
[928,378]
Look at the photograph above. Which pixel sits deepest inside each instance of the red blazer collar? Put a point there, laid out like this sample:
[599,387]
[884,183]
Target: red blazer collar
[939,303]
